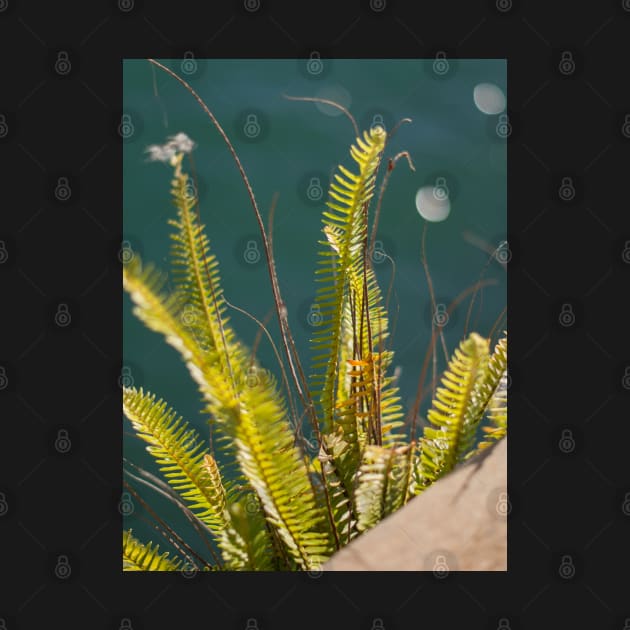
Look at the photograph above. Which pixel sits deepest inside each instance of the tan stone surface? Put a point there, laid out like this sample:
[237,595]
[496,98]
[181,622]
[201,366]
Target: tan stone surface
[459,523]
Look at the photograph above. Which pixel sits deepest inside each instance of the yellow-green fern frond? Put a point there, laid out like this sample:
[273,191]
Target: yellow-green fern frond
[336,455]
[382,484]
[140,557]
[196,274]
[391,409]
[246,543]
[491,372]
[345,228]
[497,414]
[277,471]
[494,394]
[166,315]
[181,455]
[442,441]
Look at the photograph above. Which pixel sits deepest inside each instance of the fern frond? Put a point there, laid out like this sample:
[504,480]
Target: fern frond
[442,442]
[497,409]
[276,470]
[196,272]
[493,396]
[338,461]
[140,557]
[345,228]
[491,372]
[181,455]
[246,543]
[165,315]
[382,484]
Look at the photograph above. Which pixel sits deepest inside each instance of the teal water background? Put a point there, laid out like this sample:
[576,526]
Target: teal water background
[295,150]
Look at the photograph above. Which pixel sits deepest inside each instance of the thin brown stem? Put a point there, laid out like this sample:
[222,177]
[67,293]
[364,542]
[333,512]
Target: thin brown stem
[390,167]
[325,101]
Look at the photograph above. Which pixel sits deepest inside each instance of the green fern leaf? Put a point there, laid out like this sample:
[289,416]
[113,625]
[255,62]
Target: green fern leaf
[382,484]
[494,394]
[246,543]
[443,441]
[139,557]
[345,228]
[277,471]
[180,454]
[497,408]
[196,272]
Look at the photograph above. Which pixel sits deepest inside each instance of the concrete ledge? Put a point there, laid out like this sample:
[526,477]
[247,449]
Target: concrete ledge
[458,524]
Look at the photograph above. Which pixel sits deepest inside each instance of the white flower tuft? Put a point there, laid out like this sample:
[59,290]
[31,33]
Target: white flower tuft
[179,143]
